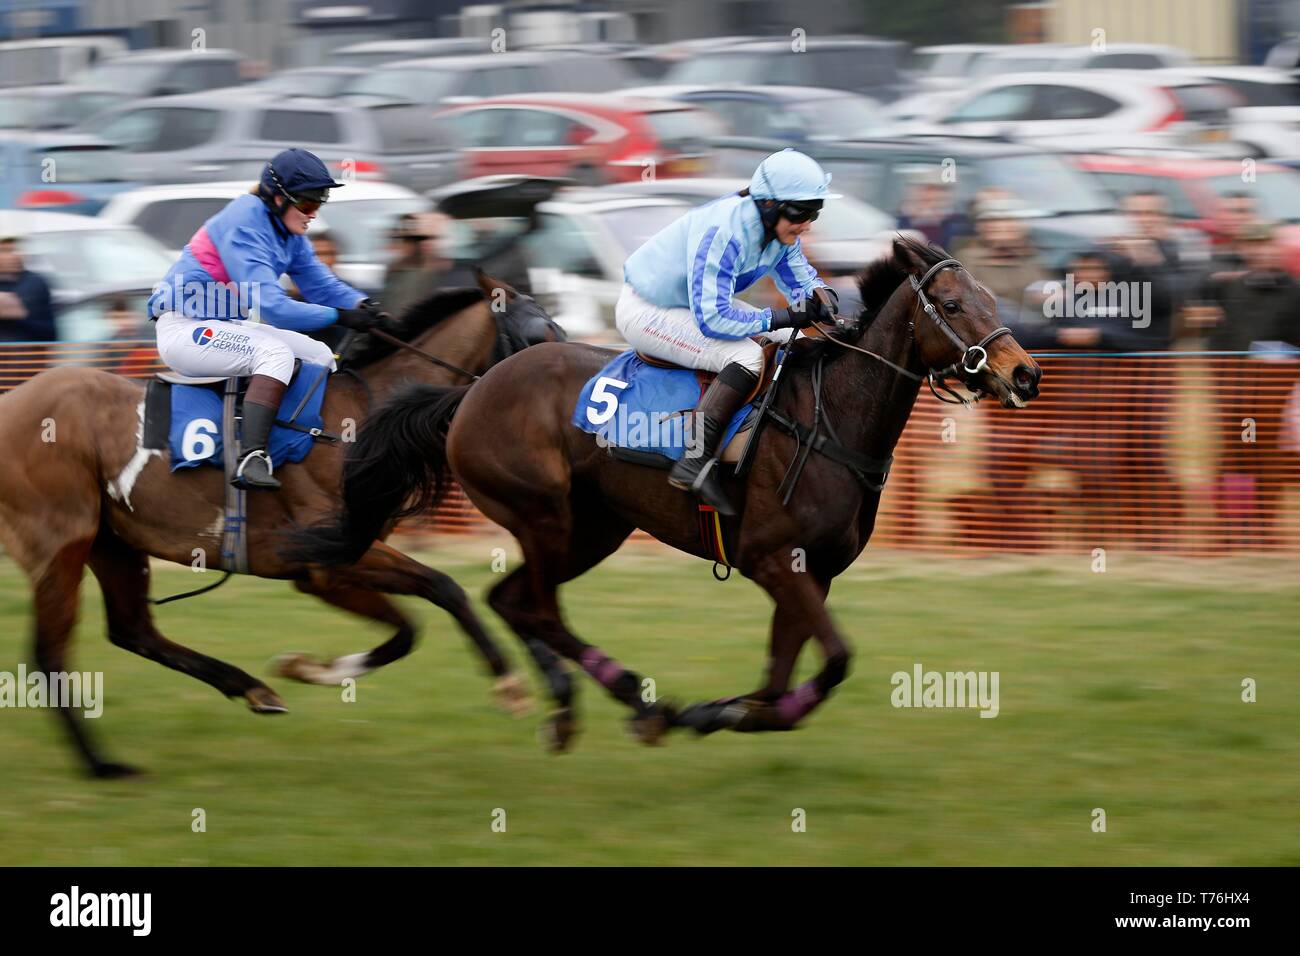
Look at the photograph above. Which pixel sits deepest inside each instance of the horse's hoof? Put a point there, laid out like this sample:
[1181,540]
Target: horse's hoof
[263,700]
[114,771]
[558,730]
[715,715]
[299,667]
[652,724]
[512,695]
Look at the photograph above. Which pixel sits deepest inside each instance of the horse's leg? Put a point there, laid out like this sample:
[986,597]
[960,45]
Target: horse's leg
[788,636]
[123,574]
[560,543]
[56,595]
[801,611]
[385,569]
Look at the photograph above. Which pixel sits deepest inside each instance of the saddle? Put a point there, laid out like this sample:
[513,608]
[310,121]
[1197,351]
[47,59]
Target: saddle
[157,434]
[706,378]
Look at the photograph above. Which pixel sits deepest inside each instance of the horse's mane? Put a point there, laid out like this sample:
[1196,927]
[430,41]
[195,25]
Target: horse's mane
[879,279]
[412,323]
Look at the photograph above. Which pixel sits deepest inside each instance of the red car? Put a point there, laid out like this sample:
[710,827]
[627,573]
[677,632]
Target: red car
[593,138]
[1194,187]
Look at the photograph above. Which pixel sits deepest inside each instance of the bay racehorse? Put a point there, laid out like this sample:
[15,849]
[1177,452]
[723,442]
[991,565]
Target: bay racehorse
[94,496]
[571,504]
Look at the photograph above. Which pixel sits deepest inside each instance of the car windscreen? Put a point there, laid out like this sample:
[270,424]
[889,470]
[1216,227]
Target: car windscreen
[1044,184]
[174,221]
[18,111]
[361,227]
[1250,93]
[77,108]
[135,79]
[841,117]
[847,219]
[79,164]
[1276,192]
[87,259]
[300,126]
[631,226]
[402,86]
[686,127]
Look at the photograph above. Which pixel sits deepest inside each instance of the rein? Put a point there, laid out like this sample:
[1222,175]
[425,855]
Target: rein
[394,340]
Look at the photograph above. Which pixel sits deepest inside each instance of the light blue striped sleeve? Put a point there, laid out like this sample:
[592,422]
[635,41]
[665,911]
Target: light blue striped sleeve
[713,258]
[794,274]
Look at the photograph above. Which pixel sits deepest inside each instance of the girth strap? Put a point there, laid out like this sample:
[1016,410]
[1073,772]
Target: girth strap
[865,469]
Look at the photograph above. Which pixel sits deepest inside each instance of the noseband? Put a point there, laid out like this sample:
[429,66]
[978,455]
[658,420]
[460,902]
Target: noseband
[974,358]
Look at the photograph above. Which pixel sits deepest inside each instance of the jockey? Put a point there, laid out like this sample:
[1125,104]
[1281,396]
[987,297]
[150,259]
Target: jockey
[229,272]
[677,303]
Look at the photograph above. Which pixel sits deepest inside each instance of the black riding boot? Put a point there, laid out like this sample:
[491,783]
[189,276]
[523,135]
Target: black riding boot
[697,470]
[261,403]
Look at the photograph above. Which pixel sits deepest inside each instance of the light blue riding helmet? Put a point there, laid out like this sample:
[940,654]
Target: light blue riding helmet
[791,176]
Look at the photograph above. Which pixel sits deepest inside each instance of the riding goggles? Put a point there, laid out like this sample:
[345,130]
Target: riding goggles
[309,204]
[796,212]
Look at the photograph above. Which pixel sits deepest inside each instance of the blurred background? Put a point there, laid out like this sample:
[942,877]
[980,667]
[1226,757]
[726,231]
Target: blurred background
[1133,528]
[1148,144]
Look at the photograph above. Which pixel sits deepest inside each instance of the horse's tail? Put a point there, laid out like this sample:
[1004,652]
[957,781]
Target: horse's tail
[397,467]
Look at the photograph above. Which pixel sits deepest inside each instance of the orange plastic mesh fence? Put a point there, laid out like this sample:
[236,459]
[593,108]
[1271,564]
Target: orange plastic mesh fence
[1192,454]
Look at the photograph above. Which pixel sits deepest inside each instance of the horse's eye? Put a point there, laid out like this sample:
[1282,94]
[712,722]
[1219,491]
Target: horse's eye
[951,307]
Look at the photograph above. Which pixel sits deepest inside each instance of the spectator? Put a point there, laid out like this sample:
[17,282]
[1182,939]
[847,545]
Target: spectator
[928,209]
[1259,302]
[26,309]
[1001,255]
[421,266]
[327,251]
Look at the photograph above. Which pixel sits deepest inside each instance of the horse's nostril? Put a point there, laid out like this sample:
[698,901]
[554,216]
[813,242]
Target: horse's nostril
[1025,377]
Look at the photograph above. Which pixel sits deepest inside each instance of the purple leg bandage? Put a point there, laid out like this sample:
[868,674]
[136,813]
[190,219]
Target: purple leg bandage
[604,669]
[795,705]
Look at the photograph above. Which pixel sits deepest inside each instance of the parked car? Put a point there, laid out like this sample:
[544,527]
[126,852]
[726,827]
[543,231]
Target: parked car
[53,59]
[434,82]
[1065,210]
[210,137]
[359,216]
[67,172]
[165,72]
[1264,109]
[1042,57]
[652,62]
[848,234]
[312,81]
[53,106]
[1128,107]
[947,66]
[1194,188]
[378,52]
[867,65]
[92,267]
[593,138]
[755,117]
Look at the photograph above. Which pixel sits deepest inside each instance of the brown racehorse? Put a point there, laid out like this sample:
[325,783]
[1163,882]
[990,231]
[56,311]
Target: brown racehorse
[92,496]
[570,504]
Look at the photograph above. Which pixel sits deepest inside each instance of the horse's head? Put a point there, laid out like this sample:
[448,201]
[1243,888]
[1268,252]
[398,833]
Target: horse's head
[956,331]
[520,320]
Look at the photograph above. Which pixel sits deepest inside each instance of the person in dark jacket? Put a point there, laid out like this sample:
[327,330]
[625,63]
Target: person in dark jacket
[26,309]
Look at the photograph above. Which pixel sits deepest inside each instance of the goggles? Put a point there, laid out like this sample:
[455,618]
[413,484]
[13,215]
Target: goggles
[799,213]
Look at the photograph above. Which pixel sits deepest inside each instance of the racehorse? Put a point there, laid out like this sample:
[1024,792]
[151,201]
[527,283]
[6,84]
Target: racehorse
[94,495]
[571,504]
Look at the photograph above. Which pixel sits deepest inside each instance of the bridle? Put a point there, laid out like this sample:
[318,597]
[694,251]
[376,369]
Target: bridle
[974,358]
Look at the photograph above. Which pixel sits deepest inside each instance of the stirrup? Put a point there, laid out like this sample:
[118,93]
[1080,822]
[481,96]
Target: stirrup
[242,481]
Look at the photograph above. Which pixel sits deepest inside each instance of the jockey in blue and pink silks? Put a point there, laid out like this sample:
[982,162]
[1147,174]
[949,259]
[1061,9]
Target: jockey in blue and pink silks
[677,302]
[246,247]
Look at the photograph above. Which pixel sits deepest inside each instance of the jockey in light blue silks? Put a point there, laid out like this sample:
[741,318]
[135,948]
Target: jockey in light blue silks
[677,302]
[237,258]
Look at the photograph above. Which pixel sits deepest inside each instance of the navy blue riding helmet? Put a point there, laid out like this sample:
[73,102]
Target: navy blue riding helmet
[298,175]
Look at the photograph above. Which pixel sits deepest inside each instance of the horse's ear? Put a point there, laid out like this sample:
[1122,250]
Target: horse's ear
[489,284]
[908,257]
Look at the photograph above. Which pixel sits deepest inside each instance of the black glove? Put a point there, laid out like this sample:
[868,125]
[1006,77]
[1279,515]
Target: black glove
[825,302]
[366,315]
[792,318]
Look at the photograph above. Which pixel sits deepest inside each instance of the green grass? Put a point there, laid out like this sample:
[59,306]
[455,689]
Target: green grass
[1118,690]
